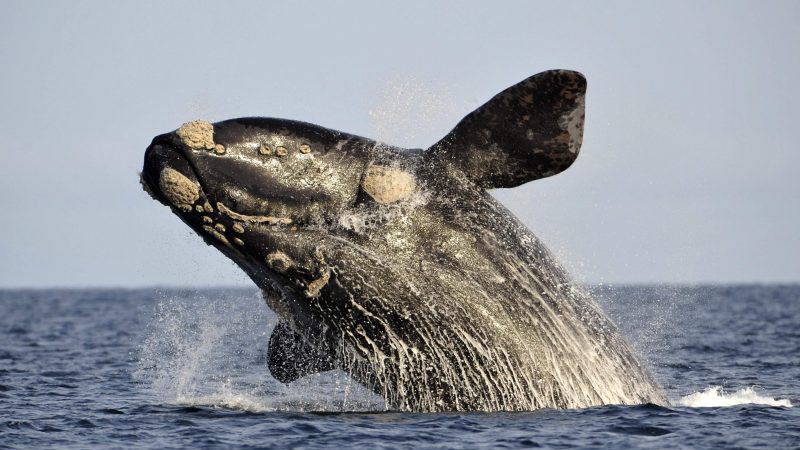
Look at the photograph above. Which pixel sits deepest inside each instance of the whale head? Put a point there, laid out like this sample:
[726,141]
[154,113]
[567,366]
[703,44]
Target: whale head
[260,189]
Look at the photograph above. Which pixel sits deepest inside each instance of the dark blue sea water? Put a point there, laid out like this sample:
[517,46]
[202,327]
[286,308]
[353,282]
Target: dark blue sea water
[175,369]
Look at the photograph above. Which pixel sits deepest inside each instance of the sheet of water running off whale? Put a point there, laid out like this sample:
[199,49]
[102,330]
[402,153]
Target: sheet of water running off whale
[396,265]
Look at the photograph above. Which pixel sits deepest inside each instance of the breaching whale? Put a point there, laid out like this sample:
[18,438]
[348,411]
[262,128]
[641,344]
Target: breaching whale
[396,265]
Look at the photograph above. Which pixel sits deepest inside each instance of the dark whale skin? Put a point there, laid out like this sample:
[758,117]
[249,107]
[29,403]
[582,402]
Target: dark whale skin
[397,266]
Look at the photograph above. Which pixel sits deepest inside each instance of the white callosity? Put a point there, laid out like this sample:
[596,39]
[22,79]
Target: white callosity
[270,220]
[178,189]
[388,185]
[199,135]
[316,285]
[279,261]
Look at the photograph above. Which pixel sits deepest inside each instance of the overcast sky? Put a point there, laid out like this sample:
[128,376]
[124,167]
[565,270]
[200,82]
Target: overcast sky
[689,170]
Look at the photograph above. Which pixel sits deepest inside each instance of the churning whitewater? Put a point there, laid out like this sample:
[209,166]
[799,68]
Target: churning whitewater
[396,265]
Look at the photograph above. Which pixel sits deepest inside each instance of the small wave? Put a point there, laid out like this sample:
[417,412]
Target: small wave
[228,400]
[714,396]
[294,398]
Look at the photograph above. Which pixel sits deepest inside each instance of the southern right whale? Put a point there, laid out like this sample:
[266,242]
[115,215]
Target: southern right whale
[397,266]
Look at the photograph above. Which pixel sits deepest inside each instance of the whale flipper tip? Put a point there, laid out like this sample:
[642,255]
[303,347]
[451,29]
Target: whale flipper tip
[531,130]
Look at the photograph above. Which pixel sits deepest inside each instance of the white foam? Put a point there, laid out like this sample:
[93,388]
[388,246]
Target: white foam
[715,396]
[211,352]
[228,398]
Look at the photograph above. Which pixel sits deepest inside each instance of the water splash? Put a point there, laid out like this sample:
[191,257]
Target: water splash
[203,350]
[412,113]
[647,315]
[192,345]
[715,396]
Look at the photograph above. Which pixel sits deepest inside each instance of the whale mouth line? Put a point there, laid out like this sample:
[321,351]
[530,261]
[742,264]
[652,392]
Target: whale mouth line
[268,220]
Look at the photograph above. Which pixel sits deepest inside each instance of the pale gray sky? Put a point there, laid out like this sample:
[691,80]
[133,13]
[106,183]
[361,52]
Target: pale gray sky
[688,173]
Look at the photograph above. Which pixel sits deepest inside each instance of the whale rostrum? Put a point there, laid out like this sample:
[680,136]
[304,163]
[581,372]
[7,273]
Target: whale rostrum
[396,265]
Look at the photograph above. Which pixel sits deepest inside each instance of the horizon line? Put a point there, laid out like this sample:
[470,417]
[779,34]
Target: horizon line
[178,287]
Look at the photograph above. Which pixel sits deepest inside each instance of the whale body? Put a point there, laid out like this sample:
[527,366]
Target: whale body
[396,265]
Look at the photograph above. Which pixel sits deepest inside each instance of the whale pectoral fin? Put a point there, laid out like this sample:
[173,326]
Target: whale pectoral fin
[531,130]
[292,355]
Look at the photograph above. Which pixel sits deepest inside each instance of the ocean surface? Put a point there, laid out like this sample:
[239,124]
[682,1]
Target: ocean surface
[161,368]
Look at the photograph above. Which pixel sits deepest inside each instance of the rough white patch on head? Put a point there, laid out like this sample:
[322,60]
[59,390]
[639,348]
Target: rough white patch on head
[270,220]
[572,123]
[317,284]
[197,134]
[279,261]
[387,185]
[217,235]
[178,189]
